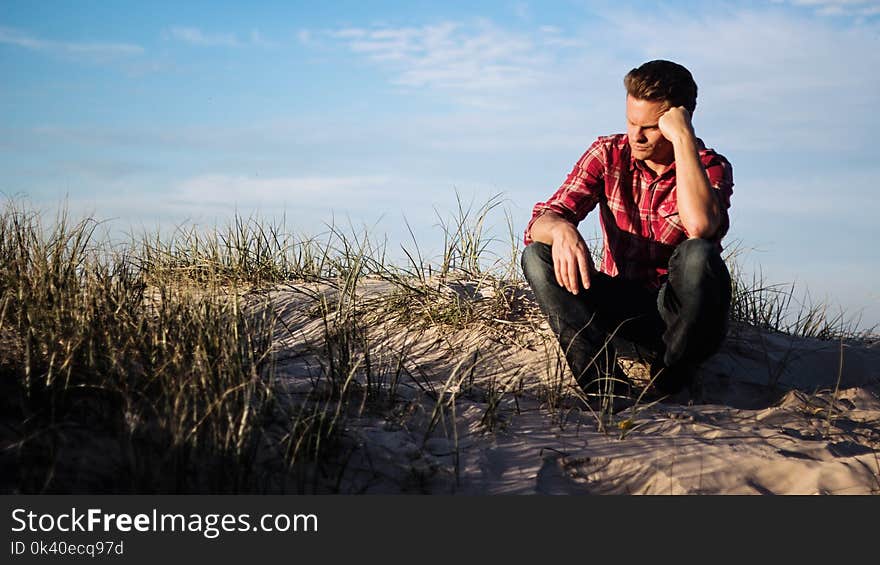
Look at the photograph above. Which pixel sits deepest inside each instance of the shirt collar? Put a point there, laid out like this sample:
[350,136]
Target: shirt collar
[639,164]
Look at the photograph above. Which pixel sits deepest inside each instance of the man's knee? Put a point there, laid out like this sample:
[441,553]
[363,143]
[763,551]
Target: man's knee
[696,259]
[537,260]
[694,253]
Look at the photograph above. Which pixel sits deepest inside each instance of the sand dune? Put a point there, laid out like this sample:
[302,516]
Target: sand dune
[488,408]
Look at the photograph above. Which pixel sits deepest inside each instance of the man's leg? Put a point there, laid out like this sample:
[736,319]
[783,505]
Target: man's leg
[590,323]
[694,304]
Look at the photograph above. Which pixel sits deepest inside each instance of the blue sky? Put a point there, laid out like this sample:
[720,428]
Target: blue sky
[156,113]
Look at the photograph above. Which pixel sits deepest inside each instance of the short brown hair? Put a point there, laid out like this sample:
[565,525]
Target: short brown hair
[663,81]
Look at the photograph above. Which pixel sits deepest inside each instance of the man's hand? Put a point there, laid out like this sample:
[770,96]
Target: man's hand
[571,258]
[675,124]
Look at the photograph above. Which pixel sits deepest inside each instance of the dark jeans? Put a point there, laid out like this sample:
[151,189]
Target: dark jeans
[675,327]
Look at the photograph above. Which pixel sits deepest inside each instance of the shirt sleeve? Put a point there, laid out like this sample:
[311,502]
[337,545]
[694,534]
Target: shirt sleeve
[720,173]
[582,190]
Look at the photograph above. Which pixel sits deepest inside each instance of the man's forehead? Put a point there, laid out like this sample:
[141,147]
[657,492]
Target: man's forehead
[647,111]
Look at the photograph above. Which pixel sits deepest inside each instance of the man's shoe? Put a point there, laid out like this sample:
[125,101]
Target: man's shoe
[671,380]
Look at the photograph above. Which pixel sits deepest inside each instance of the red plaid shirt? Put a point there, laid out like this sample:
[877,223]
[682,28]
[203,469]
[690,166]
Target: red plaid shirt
[638,210]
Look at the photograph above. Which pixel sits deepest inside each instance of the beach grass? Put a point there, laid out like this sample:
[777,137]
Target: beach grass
[156,365]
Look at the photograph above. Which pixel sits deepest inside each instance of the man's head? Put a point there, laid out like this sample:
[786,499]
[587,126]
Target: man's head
[652,89]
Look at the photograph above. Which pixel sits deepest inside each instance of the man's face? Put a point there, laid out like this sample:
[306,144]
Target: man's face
[645,139]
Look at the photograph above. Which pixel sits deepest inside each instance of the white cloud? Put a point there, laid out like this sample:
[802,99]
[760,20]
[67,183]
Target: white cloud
[88,50]
[522,11]
[259,40]
[223,189]
[477,63]
[195,36]
[556,37]
[841,7]
[347,33]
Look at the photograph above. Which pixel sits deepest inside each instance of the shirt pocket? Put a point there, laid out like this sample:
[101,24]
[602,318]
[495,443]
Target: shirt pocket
[669,221]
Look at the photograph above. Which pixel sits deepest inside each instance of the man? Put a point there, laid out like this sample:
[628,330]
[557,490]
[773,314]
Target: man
[662,291]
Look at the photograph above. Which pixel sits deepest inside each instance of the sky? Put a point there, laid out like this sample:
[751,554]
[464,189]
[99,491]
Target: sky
[369,113]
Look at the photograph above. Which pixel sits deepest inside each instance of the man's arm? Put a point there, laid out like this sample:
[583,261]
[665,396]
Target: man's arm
[555,222]
[698,206]
[571,257]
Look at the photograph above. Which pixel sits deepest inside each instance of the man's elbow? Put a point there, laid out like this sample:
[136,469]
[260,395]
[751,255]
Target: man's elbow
[704,228]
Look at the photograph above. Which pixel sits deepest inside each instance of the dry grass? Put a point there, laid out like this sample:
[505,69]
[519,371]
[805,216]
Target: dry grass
[151,367]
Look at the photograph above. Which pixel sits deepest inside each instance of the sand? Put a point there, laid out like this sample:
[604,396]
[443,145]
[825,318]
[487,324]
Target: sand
[776,414]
